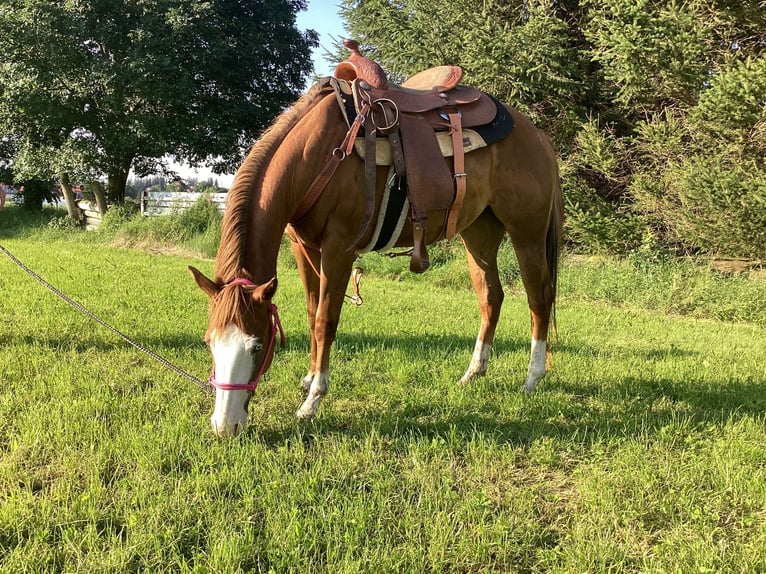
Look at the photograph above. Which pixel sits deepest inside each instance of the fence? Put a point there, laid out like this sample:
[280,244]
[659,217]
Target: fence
[89,213]
[153,203]
[169,202]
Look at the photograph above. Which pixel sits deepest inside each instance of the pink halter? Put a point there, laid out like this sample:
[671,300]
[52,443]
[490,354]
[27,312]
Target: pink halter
[276,326]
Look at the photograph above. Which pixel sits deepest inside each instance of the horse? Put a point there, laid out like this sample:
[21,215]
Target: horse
[512,187]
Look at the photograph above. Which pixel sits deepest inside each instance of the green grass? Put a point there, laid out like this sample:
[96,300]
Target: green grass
[643,451]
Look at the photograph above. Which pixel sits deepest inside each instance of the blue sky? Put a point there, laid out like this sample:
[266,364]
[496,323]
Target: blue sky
[322,16]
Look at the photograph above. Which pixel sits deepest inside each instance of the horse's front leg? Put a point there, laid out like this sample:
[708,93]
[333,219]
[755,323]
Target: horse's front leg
[308,260]
[335,272]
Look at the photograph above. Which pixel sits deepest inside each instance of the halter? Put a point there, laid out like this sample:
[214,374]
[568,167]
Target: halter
[276,327]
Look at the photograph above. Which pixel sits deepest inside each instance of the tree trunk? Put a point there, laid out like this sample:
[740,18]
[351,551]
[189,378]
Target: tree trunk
[100,195]
[117,180]
[69,198]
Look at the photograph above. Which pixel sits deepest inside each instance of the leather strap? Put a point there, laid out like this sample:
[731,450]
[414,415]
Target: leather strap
[397,153]
[419,259]
[370,139]
[302,246]
[356,279]
[323,177]
[456,130]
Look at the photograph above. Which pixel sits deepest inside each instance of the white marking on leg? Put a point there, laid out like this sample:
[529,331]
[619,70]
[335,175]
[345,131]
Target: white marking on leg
[317,390]
[478,365]
[306,381]
[536,370]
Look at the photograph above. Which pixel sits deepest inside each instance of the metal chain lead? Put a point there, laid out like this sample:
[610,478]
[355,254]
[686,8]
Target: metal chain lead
[179,371]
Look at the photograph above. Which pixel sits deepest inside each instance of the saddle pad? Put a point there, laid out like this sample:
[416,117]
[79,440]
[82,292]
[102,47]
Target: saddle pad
[471,141]
[500,126]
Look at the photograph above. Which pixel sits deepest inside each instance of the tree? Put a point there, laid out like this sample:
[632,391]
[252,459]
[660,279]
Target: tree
[687,87]
[95,88]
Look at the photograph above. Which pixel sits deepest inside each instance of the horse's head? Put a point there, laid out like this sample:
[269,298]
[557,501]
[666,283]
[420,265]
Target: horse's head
[243,326]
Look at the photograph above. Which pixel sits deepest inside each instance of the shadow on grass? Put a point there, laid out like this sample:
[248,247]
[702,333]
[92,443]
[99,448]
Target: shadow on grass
[101,341]
[689,408]
[15,221]
[583,412]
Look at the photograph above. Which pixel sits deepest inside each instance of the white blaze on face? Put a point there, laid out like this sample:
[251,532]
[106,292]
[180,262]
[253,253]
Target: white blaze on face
[234,353]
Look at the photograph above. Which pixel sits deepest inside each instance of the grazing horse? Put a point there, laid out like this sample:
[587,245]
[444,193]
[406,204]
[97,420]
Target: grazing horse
[512,187]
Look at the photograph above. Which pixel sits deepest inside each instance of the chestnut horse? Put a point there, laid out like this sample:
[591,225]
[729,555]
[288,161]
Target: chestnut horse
[512,187]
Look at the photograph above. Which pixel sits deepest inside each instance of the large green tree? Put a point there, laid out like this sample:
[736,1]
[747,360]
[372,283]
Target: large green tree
[686,84]
[657,107]
[95,88]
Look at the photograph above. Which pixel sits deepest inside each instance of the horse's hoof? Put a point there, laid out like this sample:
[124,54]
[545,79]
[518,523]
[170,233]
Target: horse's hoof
[304,415]
[470,375]
[530,388]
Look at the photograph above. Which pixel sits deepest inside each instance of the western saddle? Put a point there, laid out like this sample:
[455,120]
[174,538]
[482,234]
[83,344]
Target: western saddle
[409,115]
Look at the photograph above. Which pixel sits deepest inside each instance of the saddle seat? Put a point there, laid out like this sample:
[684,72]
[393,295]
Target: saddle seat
[436,79]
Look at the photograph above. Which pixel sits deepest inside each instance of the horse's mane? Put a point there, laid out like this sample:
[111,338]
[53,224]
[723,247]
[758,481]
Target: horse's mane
[229,261]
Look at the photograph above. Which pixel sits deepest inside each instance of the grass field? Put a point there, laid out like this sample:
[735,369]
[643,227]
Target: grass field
[643,451]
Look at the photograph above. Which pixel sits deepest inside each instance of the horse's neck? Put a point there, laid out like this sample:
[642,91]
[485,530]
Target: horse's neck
[269,215]
[253,225]
[291,168]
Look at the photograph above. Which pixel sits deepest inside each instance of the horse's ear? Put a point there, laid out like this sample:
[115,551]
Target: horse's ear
[208,287]
[266,291]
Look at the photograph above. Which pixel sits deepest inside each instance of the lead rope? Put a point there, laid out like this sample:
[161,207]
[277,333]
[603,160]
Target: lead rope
[72,303]
[356,274]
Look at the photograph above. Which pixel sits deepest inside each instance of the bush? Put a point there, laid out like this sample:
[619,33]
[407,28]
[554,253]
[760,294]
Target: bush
[198,227]
[118,215]
[702,180]
[710,204]
[595,225]
[200,217]
[594,179]
[64,223]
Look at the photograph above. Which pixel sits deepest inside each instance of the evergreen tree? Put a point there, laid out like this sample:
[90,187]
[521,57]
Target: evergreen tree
[657,107]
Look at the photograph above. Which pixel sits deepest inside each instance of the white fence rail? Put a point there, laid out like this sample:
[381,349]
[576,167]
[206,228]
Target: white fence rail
[169,202]
[89,213]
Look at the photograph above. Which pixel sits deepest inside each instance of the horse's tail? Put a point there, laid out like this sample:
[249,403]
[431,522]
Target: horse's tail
[553,241]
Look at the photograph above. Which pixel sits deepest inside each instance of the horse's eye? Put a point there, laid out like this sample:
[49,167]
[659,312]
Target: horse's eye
[253,346]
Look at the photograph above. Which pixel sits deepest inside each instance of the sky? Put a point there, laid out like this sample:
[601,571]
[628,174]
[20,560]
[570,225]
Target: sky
[322,16]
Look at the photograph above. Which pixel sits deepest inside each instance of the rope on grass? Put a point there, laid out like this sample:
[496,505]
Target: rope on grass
[74,304]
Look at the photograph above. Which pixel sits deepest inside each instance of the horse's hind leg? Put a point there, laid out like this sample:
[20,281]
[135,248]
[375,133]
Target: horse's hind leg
[536,277]
[482,240]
